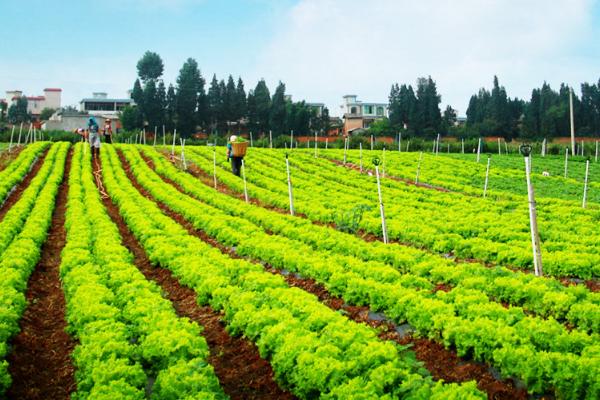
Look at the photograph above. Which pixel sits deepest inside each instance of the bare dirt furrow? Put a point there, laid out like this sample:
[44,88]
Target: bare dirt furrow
[40,363]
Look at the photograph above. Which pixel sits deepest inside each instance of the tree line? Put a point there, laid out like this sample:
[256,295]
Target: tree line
[492,112]
[221,107]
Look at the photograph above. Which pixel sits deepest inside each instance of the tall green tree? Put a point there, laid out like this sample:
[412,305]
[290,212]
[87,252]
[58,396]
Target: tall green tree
[230,101]
[215,103]
[278,113]
[428,116]
[262,107]
[240,102]
[129,118]
[161,103]
[189,84]
[150,66]
[17,112]
[171,109]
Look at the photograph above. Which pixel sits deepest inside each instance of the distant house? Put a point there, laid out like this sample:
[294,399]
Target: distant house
[35,104]
[102,106]
[71,119]
[359,115]
[317,107]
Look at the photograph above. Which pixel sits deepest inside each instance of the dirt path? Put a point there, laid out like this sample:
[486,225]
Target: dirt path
[243,374]
[40,363]
[441,363]
[16,194]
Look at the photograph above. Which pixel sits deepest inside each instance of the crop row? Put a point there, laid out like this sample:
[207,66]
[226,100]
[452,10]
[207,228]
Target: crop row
[22,252]
[314,351]
[132,344]
[464,318]
[463,174]
[543,296]
[443,222]
[16,170]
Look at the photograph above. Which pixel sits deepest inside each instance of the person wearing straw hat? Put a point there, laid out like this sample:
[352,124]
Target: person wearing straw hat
[94,137]
[236,162]
[107,131]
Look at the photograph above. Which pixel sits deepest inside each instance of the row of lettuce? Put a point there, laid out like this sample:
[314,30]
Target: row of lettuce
[23,230]
[538,351]
[132,345]
[463,226]
[314,351]
[16,170]
[462,173]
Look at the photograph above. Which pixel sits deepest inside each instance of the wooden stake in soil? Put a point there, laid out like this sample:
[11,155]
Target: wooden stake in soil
[173,147]
[487,174]
[505,147]
[155,132]
[291,139]
[407,145]
[251,140]
[437,145]
[215,166]
[462,145]
[183,154]
[164,136]
[290,192]
[372,142]
[20,130]
[478,149]
[345,149]
[566,160]
[419,167]
[400,142]
[381,208]
[499,148]
[244,178]
[544,148]
[360,156]
[270,139]
[11,138]
[585,185]
[535,238]
[572,121]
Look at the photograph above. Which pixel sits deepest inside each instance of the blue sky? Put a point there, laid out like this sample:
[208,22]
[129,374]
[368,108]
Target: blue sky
[321,49]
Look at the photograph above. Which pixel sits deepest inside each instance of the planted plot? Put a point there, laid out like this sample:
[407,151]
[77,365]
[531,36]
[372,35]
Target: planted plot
[174,289]
[451,223]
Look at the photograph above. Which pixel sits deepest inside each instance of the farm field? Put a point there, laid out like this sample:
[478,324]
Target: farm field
[133,277]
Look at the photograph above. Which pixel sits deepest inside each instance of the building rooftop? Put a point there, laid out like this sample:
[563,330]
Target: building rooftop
[52,90]
[105,100]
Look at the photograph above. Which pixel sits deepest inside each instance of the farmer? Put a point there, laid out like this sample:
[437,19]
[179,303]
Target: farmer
[94,137]
[107,131]
[236,162]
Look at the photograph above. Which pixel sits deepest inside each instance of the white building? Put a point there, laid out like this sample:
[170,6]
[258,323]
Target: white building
[102,106]
[359,115]
[35,104]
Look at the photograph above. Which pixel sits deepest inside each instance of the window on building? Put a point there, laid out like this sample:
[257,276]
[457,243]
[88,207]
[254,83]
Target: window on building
[352,110]
[380,111]
[368,109]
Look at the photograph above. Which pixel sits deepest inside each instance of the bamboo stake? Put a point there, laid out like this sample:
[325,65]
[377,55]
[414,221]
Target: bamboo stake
[585,185]
[289,180]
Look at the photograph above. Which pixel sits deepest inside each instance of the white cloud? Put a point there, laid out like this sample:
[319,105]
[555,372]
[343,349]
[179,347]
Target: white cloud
[326,48]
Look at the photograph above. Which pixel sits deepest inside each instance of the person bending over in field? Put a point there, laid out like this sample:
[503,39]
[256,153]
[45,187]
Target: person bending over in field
[94,137]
